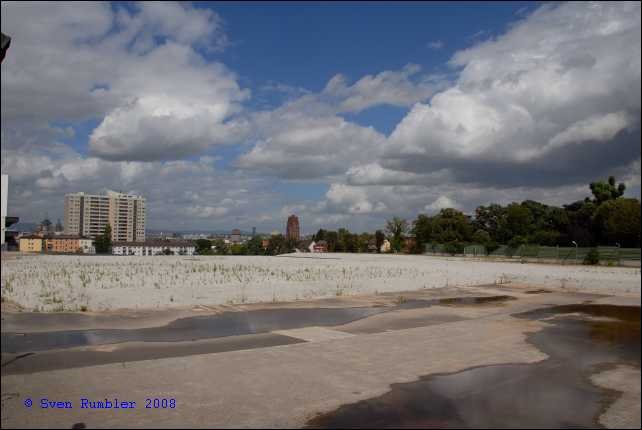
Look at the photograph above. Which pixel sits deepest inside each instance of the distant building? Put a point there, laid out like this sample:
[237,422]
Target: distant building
[265,243]
[45,227]
[292,231]
[385,246]
[87,215]
[253,231]
[86,246]
[235,237]
[31,243]
[320,246]
[69,244]
[154,247]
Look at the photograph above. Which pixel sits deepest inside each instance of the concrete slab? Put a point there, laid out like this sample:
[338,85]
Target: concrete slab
[314,334]
[281,386]
[624,413]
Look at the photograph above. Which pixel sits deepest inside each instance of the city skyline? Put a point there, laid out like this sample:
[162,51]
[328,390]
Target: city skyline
[345,114]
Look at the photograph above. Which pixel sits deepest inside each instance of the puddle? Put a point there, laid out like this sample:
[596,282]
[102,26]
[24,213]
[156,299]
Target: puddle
[185,329]
[70,358]
[219,325]
[475,300]
[555,393]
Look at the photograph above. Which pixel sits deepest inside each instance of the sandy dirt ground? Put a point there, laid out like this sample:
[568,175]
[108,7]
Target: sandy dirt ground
[98,283]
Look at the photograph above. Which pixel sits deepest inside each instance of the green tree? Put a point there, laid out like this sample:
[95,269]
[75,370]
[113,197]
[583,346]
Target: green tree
[220,247]
[545,237]
[102,242]
[363,241]
[379,238]
[396,228]
[320,235]
[238,249]
[422,229]
[278,245]
[519,220]
[346,241]
[481,237]
[203,247]
[618,221]
[581,223]
[290,245]
[254,246]
[332,237]
[451,225]
[555,228]
[604,191]
[492,218]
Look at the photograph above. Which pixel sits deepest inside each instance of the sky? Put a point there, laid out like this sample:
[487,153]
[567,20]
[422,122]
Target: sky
[230,115]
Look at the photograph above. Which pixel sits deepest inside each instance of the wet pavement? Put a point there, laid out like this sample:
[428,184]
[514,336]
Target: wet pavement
[136,351]
[188,329]
[541,359]
[555,393]
[221,325]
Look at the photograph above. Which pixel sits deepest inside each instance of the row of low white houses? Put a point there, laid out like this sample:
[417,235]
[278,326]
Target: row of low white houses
[153,248]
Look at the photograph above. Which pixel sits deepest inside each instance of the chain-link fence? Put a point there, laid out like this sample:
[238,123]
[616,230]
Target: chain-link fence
[609,255]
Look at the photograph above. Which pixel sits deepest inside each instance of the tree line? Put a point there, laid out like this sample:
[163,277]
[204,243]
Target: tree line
[605,218]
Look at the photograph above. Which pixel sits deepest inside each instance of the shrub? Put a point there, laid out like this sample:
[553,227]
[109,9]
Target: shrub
[491,247]
[592,257]
[517,241]
[454,247]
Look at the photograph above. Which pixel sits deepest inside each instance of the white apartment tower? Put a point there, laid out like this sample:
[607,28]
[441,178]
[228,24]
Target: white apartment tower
[87,215]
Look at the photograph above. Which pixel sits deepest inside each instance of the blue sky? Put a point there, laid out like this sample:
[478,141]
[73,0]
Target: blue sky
[305,44]
[229,114]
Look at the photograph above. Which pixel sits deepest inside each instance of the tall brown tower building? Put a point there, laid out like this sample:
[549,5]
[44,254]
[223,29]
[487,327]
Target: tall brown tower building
[292,232]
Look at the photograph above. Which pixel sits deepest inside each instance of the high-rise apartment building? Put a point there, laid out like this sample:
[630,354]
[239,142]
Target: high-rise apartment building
[87,215]
[292,231]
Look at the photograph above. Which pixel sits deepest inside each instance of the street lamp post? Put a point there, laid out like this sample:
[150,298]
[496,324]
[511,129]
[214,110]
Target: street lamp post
[576,246]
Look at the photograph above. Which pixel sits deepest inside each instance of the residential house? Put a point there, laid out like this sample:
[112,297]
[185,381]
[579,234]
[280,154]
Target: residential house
[65,244]
[154,247]
[31,243]
[86,245]
[320,246]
